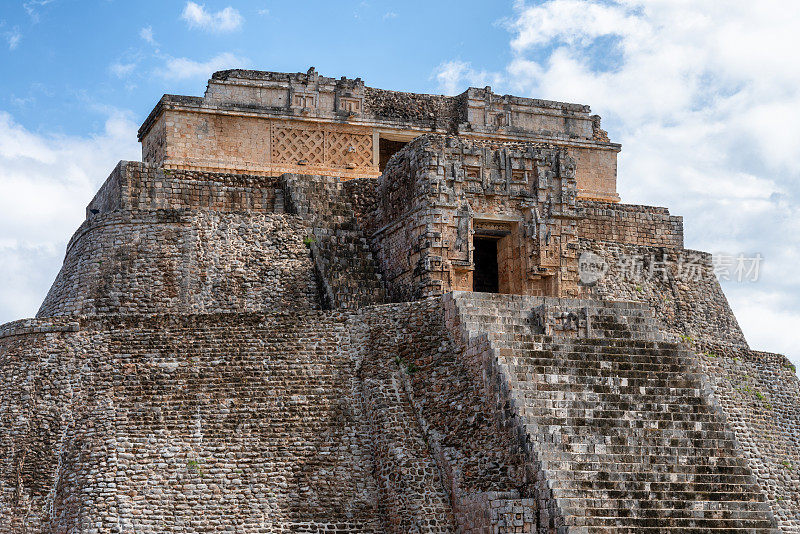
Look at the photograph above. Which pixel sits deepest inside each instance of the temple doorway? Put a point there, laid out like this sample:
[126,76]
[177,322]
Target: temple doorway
[485,278]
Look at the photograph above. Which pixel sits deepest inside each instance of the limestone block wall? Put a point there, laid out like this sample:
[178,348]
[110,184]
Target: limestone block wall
[154,145]
[187,261]
[678,284]
[597,173]
[365,422]
[412,487]
[258,145]
[185,424]
[142,186]
[759,393]
[43,404]
[629,223]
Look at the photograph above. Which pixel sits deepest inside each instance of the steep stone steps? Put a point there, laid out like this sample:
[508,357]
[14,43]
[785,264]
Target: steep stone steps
[616,418]
[347,271]
[347,268]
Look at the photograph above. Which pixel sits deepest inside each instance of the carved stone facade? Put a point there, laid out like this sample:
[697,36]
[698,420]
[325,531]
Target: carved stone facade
[269,123]
[442,192]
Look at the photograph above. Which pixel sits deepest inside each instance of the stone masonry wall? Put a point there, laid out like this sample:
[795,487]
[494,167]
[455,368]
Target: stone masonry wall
[188,261]
[627,223]
[758,393]
[259,145]
[678,284]
[369,421]
[140,186]
[348,274]
[185,424]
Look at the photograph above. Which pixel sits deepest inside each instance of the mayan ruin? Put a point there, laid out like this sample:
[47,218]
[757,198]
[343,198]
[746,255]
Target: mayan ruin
[320,307]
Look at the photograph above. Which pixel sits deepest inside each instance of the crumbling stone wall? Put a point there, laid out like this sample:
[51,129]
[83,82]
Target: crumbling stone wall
[424,111]
[373,421]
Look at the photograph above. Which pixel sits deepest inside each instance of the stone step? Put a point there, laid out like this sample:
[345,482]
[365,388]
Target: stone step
[643,457]
[700,483]
[618,422]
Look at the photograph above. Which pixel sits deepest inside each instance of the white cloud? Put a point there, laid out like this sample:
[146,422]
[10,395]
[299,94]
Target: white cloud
[47,181]
[13,37]
[146,33]
[225,20]
[389,15]
[182,68]
[455,76]
[263,12]
[703,97]
[121,70]
[33,7]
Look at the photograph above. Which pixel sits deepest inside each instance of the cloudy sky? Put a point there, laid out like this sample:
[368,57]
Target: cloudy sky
[703,96]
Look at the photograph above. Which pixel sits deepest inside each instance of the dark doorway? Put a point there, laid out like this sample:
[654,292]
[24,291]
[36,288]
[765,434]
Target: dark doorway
[386,149]
[484,278]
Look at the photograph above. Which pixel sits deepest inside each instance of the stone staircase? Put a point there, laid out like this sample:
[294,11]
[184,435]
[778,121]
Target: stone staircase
[616,418]
[348,273]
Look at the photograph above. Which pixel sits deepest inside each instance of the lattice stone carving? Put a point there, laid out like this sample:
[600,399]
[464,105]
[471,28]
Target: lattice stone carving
[348,150]
[297,145]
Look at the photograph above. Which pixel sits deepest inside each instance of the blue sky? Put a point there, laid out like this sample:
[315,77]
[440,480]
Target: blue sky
[75,58]
[703,96]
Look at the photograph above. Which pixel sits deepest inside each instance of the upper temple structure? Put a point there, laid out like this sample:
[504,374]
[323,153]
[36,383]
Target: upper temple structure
[270,123]
[320,307]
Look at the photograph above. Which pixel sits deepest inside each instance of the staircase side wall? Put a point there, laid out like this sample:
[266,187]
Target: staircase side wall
[390,341]
[348,274]
[759,394]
